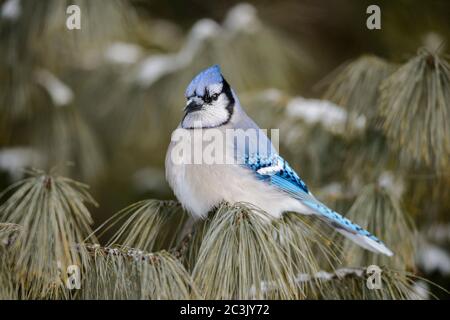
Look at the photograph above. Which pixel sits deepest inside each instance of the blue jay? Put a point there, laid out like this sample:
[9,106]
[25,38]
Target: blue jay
[257,175]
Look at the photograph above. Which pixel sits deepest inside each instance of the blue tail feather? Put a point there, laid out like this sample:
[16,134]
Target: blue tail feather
[351,230]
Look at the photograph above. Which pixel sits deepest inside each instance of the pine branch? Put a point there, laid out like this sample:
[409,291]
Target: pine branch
[52,216]
[355,85]
[242,253]
[149,225]
[378,209]
[128,273]
[240,247]
[415,106]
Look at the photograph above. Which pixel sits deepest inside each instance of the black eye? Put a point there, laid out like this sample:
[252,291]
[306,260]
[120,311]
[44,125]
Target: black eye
[207,98]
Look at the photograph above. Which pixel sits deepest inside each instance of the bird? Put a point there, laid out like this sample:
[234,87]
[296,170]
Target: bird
[251,172]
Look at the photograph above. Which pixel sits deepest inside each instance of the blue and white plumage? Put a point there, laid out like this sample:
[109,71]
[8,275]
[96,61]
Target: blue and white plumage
[260,176]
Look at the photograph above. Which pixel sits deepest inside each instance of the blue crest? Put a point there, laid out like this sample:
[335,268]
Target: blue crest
[209,76]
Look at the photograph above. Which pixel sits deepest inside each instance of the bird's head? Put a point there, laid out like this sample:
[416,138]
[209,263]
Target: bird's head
[210,101]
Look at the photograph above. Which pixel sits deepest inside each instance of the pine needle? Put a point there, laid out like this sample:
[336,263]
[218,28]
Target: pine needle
[355,85]
[351,284]
[9,288]
[52,214]
[239,255]
[415,105]
[150,225]
[378,211]
[126,273]
[308,249]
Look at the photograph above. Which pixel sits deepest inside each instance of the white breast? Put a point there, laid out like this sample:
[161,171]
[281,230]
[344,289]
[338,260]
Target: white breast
[199,187]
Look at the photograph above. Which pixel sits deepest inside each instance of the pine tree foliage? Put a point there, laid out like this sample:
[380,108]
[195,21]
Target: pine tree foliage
[52,215]
[346,284]
[126,273]
[235,237]
[149,225]
[362,75]
[410,100]
[379,153]
[242,253]
[377,209]
[415,105]
[35,47]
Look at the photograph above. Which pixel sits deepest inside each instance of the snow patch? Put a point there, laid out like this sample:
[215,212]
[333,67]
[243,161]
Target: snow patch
[439,233]
[123,53]
[155,67]
[14,160]
[59,92]
[11,10]
[272,95]
[422,290]
[390,182]
[432,258]
[242,17]
[314,111]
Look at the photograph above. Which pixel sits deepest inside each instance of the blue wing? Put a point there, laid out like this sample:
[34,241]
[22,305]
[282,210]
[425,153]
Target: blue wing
[276,171]
[279,173]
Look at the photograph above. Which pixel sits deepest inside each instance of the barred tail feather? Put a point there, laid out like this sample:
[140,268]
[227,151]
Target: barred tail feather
[366,242]
[347,228]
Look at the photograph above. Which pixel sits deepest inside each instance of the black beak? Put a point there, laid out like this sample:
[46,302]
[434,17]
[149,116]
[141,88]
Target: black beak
[193,106]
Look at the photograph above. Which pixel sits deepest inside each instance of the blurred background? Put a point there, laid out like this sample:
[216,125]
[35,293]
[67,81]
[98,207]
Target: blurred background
[99,104]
